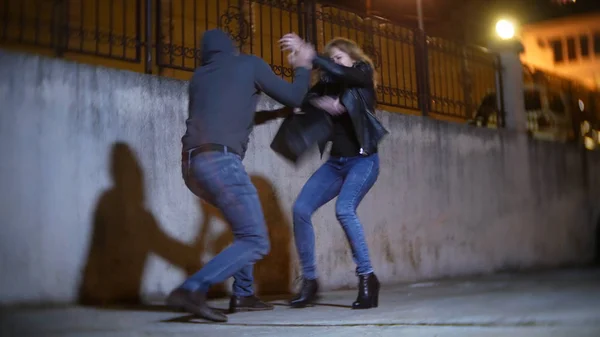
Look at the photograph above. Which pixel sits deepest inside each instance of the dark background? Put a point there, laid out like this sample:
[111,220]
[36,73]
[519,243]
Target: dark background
[471,21]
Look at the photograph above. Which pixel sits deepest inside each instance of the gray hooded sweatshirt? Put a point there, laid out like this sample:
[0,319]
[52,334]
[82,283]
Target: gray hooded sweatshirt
[224,92]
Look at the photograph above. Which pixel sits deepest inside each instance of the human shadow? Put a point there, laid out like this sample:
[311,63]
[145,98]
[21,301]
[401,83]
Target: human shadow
[272,274]
[265,116]
[124,234]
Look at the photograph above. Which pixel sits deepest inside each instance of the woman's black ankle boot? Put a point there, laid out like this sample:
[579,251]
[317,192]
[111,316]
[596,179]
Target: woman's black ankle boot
[307,295]
[368,292]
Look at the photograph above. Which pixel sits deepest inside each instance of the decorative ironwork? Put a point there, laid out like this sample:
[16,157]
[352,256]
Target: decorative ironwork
[413,71]
[285,5]
[395,92]
[117,40]
[235,24]
[180,51]
[282,70]
[66,26]
[373,53]
[355,22]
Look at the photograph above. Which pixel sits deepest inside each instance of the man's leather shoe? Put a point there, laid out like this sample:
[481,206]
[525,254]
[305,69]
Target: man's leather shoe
[195,303]
[247,303]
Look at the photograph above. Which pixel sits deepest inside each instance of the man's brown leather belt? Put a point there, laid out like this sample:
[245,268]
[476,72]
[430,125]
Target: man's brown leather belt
[208,148]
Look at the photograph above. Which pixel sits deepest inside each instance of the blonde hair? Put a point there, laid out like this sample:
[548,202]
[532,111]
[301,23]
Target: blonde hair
[353,50]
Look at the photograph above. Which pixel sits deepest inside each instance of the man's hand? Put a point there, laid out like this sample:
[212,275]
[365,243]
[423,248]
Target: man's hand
[329,104]
[301,52]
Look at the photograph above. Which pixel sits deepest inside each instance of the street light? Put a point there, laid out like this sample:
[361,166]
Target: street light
[505,29]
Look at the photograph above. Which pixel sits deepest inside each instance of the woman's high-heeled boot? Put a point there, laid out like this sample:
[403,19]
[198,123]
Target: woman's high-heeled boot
[308,294]
[368,292]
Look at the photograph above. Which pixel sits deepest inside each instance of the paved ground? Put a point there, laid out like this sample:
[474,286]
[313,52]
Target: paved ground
[560,303]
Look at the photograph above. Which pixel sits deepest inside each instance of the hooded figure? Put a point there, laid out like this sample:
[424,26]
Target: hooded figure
[223,94]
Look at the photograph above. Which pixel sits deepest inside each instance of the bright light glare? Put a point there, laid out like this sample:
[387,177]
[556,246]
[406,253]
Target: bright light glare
[589,143]
[581,105]
[585,128]
[505,29]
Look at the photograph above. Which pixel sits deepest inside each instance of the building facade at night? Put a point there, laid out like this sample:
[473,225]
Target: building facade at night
[569,47]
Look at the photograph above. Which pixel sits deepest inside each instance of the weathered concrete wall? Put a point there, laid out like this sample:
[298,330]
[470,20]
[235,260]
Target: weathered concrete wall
[93,205]
[592,165]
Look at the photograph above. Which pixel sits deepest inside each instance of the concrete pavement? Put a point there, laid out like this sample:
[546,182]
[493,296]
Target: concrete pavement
[558,303]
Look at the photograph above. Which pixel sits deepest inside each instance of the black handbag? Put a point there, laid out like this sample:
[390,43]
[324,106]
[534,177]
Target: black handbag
[301,131]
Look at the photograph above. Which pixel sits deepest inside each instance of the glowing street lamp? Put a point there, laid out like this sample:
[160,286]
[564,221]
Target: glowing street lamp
[505,29]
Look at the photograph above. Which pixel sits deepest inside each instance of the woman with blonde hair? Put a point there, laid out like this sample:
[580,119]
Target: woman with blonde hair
[346,90]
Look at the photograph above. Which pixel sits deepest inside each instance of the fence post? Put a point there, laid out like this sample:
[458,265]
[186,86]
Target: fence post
[157,36]
[302,12]
[313,24]
[148,37]
[307,21]
[501,118]
[422,65]
[467,85]
[512,84]
[59,27]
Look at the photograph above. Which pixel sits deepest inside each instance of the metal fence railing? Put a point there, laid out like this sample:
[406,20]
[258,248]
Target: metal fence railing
[414,71]
[391,48]
[105,28]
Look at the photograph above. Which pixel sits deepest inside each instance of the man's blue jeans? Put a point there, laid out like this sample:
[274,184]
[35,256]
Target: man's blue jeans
[351,179]
[221,180]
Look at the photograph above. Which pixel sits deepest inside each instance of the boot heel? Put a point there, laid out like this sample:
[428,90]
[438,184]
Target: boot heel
[308,295]
[376,299]
[368,292]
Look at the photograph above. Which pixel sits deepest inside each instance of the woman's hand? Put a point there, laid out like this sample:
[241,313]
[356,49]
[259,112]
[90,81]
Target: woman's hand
[329,104]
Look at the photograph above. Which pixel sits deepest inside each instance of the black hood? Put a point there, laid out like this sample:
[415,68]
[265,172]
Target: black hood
[216,42]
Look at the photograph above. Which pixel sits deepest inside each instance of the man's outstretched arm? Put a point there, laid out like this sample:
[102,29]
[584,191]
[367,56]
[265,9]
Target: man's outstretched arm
[290,94]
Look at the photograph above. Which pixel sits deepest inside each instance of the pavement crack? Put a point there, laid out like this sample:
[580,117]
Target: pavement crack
[417,324]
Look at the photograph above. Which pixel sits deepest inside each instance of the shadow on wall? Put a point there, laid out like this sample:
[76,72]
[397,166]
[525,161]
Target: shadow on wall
[598,242]
[125,233]
[273,274]
[265,116]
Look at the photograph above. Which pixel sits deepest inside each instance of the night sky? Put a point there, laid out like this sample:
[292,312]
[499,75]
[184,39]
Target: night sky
[469,20]
[523,12]
[538,10]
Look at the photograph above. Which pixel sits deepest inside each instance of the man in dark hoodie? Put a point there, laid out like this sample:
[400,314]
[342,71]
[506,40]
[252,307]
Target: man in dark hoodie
[223,95]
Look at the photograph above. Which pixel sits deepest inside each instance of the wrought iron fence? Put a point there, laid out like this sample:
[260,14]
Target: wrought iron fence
[414,72]
[391,48]
[459,76]
[106,28]
[28,22]
[255,25]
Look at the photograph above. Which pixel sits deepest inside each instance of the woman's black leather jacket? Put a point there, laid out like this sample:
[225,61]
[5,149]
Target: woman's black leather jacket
[358,98]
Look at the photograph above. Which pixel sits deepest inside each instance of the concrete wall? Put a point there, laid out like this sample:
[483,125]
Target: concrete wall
[93,206]
[593,164]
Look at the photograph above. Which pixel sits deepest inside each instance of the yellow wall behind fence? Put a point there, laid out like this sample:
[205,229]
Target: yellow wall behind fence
[182,23]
